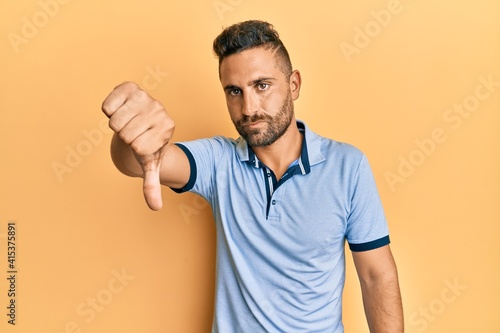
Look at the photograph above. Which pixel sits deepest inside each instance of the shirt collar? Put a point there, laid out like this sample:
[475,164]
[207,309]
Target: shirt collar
[310,155]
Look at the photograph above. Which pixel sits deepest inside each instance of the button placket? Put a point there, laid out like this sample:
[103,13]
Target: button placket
[275,206]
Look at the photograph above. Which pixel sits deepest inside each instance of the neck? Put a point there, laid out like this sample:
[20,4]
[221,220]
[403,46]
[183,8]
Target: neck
[283,152]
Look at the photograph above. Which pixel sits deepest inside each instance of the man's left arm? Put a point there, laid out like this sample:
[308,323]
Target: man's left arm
[378,277]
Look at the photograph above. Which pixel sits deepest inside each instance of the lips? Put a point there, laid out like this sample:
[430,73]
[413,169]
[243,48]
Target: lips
[256,123]
[254,119]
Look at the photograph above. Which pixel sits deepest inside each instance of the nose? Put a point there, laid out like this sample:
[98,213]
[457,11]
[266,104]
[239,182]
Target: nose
[250,104]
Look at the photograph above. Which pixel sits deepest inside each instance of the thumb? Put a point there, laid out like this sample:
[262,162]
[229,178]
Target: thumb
[151,185]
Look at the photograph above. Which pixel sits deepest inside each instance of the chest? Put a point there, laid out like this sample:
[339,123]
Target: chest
[304,212]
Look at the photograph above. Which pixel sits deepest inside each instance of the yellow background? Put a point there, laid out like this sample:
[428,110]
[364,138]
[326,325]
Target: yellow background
[80,222]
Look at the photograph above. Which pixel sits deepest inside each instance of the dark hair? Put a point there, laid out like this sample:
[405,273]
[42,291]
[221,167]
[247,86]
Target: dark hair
[250,34]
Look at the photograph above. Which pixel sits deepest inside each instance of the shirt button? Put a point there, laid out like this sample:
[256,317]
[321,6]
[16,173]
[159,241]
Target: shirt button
[273,202]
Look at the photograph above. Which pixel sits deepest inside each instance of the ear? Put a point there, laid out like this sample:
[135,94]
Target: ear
[295,83]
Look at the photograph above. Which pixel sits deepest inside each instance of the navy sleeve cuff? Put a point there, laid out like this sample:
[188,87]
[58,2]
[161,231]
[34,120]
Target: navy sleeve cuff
[192,176]
[370,245]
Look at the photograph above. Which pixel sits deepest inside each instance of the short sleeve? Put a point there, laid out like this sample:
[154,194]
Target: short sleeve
[366,223]
[203,156]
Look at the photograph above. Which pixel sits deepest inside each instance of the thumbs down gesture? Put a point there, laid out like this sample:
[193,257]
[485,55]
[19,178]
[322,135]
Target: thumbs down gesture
[143,124]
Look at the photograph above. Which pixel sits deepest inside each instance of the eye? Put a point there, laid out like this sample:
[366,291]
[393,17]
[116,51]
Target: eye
[235,92]
[262,86]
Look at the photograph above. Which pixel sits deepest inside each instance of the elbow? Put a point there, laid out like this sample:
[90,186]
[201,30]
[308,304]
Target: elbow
[383,277]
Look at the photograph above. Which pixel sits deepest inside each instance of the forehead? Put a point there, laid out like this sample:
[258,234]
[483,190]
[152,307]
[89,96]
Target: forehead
[249,65]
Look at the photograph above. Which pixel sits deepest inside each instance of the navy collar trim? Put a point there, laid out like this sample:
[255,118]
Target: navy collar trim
[252,159]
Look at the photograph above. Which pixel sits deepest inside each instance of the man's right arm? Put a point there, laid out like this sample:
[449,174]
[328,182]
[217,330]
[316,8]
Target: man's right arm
[141,145]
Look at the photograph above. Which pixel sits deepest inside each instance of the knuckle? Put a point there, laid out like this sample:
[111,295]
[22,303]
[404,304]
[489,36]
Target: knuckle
[125,138]
[170,123]
[113,125]
[165,120]
[129,85]
[169,126]
[140,95]
[157,105]
[105,107]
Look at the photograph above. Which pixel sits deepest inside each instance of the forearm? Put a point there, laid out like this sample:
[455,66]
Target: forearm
[382,303]
[124,158]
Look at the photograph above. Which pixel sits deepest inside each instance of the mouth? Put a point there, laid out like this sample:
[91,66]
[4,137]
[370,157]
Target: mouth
[254,124]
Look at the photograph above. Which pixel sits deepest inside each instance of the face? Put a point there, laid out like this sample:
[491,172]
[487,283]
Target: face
[259,96]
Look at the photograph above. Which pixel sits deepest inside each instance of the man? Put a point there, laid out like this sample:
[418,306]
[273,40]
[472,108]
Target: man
[284,199]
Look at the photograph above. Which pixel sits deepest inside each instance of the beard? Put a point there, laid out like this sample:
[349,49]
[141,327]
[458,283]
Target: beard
[275,126]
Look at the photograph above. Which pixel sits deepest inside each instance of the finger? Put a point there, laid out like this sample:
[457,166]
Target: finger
[150,142]
[131,115]
[117,98]
[152,187]
[122,117]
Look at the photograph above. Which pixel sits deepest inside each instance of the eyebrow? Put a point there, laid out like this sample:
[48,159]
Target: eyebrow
[230,87]
[252,83]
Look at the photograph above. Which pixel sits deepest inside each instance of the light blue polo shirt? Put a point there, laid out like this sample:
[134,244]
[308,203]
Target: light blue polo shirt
[280,243]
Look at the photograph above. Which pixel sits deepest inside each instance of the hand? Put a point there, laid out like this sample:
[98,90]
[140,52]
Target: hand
[142,123]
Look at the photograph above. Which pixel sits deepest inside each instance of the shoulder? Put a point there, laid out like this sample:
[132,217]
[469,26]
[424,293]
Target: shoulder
[213,144]
[342,148]
[321,148]
[336,151]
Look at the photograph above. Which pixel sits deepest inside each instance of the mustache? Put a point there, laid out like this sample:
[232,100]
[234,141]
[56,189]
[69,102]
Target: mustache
[245,120]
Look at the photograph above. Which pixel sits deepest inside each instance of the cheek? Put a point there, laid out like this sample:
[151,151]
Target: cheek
[233,110]
[268,102]
[273,103]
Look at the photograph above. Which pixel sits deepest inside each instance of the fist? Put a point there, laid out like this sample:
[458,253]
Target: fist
[142,123]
